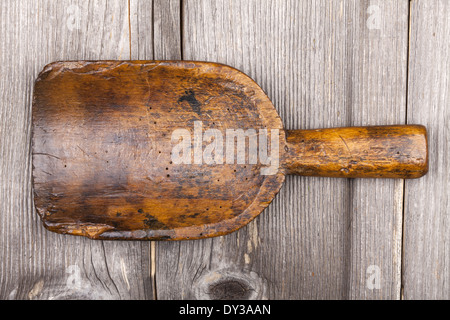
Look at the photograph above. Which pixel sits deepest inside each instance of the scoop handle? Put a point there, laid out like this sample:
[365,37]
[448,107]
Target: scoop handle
[399,151]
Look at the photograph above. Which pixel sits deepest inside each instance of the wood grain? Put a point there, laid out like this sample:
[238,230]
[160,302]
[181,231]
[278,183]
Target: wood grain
[35,263]
[103,149]
[103,145]
[155,30]
[324,64]
[426,266]
[322,67]
[358,152]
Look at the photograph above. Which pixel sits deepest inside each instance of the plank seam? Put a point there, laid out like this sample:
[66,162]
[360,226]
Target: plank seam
[129,26]
[408,49]
[153,29]
[181,29]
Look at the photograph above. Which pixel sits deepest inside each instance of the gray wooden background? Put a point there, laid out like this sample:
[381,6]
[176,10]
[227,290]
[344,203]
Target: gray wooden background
[323,63]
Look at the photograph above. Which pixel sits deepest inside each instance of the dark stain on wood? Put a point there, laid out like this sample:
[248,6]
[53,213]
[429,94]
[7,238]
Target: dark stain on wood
[102,138]
[230,289]
[189,97]
[153,223]
[101,149]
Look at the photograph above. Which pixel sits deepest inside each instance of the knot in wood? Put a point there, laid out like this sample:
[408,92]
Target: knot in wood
[230,289]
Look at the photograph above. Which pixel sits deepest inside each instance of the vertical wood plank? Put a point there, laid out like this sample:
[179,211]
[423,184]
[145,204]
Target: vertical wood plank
[378,97]
[162,20]
[426,271]
[167,24]
[322,66]
[156,29]
[141,24]
[35,263]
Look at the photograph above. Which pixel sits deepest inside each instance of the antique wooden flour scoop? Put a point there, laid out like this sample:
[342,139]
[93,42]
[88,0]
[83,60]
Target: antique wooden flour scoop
[171,150]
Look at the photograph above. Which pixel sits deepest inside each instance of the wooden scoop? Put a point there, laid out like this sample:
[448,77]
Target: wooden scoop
[171,150]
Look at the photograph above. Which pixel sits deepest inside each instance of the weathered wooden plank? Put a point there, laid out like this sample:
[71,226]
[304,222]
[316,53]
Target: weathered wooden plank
[141,25]
[155,29]
[165,26]
[426,268]
[161,20]
[378,96]
[323,64]
[340,67]
[35,263]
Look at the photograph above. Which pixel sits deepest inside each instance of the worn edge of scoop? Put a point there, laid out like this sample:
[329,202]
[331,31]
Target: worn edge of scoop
[271,185]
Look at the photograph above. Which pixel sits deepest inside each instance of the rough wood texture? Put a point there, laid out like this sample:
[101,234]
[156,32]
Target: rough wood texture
[426,266]
[322,66]
[103,143]
[35,263]
[103,149]
[358,152]
[378,96]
